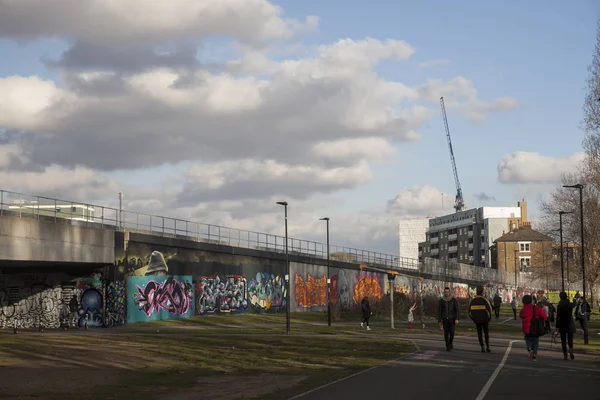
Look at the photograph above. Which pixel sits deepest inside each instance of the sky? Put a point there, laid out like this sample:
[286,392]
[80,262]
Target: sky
[213,110]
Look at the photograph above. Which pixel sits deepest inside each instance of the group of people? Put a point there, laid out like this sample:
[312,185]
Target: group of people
[534,319]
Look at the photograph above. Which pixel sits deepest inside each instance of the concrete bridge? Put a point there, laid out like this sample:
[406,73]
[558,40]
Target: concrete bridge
[37,231]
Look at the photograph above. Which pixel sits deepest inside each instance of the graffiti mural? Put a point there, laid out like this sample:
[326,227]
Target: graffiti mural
[310,292]
[51,301]
[115,304]
[221,294]
[369,286]
[152,298]
[267,291]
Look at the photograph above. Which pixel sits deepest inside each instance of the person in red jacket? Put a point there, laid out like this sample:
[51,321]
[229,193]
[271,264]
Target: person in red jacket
[526,314]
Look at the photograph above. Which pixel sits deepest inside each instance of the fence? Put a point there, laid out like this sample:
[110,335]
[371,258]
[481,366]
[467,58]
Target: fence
[65,211]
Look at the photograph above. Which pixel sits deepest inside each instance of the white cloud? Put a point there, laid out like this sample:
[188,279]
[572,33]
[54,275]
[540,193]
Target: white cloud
[419,201]
[529,167]
[110,21]
[460,94]
[342,150]
[25,101]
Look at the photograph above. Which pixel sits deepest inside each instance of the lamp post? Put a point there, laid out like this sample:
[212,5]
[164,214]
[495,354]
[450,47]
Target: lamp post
[562,256]
[568,280]
[516,282]
[120,194]
[326,219]
[287,262]
[580,187]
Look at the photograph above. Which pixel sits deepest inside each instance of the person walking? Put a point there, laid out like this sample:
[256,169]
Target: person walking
[514,306]
[497,304]
[546,307]
[582,312]
[448,315]
[565,324]
[480,312]
[411,316]
[532,336]
[366,312]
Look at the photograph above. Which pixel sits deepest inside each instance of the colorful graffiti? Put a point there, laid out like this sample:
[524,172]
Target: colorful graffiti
[368,286]
[43,301]
[159,297]
[311,292]
[115,304]
[221,294]
[267,291]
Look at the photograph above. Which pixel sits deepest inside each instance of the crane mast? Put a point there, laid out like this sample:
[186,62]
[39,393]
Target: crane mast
[459,203]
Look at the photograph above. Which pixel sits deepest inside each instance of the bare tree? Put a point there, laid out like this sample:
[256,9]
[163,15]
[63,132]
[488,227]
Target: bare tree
[564,199]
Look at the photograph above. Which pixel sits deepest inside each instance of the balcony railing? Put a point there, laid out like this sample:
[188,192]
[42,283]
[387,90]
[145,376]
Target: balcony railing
[452,249]
[452,236]
[470,246]
[470,234]
[435,252]
[434,240]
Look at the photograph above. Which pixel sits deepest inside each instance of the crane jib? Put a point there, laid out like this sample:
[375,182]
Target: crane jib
[459,203]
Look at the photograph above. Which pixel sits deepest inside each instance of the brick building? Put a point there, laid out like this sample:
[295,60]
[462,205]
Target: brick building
[525,246]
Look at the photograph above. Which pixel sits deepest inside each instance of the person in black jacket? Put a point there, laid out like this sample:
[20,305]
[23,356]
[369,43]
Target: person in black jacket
[497,304]
[448,315]
[565,323]
[582,312]
[480,312]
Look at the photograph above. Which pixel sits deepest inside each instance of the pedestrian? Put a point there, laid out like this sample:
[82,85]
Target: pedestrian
[480,312]
[565,324]
[448,315]
[366,312]
[514,306]
[531,327]
[546,308]
[582,312]
[497,304]
[411,316]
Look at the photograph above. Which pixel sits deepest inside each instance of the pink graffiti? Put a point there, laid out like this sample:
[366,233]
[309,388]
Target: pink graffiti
[171,295]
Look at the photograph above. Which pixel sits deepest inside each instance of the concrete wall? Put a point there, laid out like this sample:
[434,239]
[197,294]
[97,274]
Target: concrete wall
[44,240]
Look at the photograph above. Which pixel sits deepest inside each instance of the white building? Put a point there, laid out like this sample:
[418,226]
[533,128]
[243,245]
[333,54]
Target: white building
[411,232]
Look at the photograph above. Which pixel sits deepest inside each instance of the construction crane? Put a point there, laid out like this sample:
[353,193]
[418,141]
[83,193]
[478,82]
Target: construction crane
[459,202]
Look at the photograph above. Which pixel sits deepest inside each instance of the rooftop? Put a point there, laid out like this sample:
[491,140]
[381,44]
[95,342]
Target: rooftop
[524,234]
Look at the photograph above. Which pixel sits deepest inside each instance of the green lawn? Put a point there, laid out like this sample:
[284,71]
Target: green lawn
[133,366]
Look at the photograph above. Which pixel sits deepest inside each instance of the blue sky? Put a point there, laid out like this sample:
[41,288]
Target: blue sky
[535,52]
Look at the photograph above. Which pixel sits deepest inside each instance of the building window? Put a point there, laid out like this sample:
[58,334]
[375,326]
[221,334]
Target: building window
[525,263]
[525,247]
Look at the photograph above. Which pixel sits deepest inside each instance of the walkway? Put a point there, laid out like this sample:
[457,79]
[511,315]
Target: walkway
[465,373]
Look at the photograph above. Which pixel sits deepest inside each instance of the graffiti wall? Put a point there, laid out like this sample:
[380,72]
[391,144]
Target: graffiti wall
[152,298]
[348,287]
[308,287]
[51,301]
[221,294]
[115,304]
[222,283]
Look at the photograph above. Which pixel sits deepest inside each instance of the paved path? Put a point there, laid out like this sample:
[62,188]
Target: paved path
[433,373]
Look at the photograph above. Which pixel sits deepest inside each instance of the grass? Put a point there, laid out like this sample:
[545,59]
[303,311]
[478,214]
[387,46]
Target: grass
[133,366]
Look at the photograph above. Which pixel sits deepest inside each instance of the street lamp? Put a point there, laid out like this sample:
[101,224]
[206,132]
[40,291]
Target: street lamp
[580,187]
[516,283]
[326,219]
[562,257]
[287,262]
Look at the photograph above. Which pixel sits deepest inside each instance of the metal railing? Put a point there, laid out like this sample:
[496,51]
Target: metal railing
[84,214]
[80,213]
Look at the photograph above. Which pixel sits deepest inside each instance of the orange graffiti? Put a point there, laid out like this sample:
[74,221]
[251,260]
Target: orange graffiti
[311,292]
[368,286]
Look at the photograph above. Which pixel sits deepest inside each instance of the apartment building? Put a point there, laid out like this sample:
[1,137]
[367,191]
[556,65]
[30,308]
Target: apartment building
[467,237]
